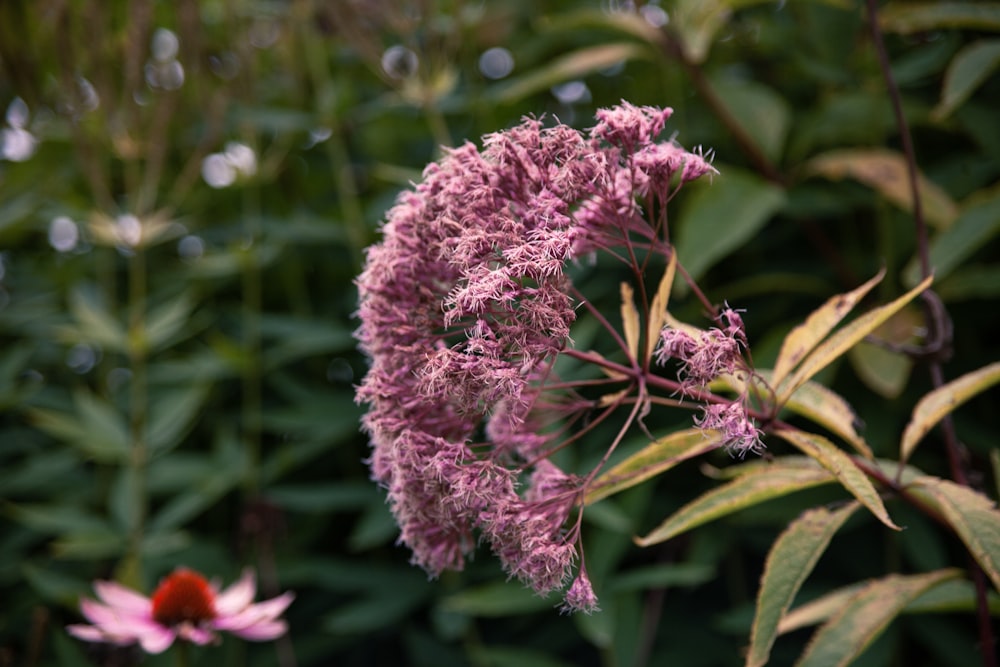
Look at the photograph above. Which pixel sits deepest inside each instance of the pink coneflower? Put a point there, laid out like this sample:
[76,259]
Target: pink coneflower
[184,606]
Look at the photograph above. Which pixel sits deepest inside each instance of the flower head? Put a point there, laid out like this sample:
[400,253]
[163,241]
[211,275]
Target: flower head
[708,354]
[465,305]
[580,596]
[739,433]
[184,606]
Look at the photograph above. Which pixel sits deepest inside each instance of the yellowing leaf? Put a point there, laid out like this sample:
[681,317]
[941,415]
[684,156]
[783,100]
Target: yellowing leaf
[953,595]
[651,460]
[844,339]
[885,171]
[630,320]
[762,483]
[934,406]
[792,557]
[971,515]
[842,467]
[818,610]
[865,615]
[812,401]
[822,406]
[658,308]
[801,340]
[907,18]
[674,323]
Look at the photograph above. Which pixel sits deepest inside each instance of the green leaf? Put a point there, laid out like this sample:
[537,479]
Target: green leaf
[867,613]
[200,493]
[697,22]
[842,467]
[957,595]
[844,339]
[384,609]
[970,68]
[801,340]
[908,17]
[653,459]
[760,111]
[89,544]
[496,599]
[663,575]
[104,428]
[939,403]
[762,483]
[168,321]
[886,172]
[96,430]
[629,23]
[13,362]
[973,516]
[57,519]
[54,585]
[978,223]
[161,543]
[566,68]
[720,218]
[970,281]
[173,414]
[126,499]
[292,338]
[94,323]
[324,497]
[886,371]
[792,557]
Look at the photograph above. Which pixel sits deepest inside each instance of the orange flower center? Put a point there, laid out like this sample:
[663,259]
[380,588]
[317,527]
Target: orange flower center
[183,596]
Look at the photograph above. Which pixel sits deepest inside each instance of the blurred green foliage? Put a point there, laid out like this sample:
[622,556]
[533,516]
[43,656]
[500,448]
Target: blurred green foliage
[185,198]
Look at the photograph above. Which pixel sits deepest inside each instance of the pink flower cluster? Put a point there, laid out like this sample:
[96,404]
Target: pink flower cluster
[703,358]
[706,356]
[464,305]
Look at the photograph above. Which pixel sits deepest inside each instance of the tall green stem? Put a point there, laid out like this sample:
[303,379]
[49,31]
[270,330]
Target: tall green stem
[252,304]
[138,400]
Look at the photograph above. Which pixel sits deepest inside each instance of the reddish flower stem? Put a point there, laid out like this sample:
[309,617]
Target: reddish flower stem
[987,641]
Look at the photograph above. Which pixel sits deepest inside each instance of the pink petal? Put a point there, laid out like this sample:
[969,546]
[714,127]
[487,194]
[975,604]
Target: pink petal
[89,633]
[120,626]
[196,635]
[262,632]
[238,596]
[123,599]
[262,612]
[99,614]
[157,640]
